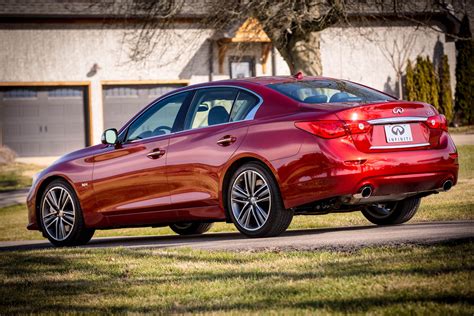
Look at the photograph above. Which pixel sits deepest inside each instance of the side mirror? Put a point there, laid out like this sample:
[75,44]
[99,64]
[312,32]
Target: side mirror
[203,108]
[110,136]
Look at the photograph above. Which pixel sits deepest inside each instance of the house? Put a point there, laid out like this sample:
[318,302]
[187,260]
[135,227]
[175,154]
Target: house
[66,74]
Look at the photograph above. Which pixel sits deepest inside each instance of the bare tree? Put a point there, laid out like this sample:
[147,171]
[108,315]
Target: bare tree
[397,53]
[292,25]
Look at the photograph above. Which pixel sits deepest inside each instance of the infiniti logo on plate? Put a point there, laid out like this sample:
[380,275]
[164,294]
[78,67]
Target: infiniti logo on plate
[397,110]
[398,130]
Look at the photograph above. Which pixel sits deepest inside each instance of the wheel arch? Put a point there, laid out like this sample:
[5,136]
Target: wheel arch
[236,164]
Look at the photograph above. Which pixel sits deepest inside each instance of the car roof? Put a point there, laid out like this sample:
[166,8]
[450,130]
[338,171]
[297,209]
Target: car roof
[267,80]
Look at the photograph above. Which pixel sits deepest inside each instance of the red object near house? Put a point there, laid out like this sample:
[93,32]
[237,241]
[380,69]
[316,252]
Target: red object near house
[255,152]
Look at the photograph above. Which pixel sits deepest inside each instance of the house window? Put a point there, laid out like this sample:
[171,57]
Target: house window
[241,67]
[121,92]
[65,92]
[20,93]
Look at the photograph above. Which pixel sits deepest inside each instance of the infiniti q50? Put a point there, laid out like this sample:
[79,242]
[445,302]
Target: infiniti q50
[254,152]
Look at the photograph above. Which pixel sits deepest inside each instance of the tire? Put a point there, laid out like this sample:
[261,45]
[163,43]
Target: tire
[256,211]
[60,216]
[394,213]
[196,228]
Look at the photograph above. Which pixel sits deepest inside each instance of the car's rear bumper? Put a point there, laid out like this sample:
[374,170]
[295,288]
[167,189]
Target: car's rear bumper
[335,168]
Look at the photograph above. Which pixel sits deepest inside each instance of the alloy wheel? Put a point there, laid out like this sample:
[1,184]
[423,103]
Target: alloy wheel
[381,210]
[58,213]
[251,200]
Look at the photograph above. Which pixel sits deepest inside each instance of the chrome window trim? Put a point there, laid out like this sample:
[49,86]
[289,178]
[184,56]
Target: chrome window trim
[400,119]
[250,115]
[401,146]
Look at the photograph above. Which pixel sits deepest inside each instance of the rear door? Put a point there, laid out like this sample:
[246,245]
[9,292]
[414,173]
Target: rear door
[215,126]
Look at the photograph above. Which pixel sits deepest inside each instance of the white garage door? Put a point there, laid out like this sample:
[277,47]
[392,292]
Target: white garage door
[42,121]
[122,102]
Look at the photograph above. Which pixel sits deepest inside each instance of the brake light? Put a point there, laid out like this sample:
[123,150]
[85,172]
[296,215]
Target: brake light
[358,127]
[324,129]
[438,122]
[333,128]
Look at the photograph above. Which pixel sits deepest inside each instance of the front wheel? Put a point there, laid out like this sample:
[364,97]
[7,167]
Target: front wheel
[195,228]
[255,204]
[61,216]
[391,213]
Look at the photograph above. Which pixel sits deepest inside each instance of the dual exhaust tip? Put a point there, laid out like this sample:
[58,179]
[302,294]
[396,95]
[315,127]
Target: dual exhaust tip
[364,192]
[447,185]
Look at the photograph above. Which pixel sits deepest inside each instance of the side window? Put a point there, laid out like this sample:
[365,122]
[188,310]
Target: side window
[244,106]
[157,120]
[210,107]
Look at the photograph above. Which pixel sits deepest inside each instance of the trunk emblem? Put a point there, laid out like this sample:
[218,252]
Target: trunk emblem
[398,110]
[398,130]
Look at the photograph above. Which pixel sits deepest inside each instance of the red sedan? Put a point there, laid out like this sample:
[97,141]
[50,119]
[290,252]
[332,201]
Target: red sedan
[254,152]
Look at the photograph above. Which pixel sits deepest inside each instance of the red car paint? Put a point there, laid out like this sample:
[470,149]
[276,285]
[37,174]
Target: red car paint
[121,187]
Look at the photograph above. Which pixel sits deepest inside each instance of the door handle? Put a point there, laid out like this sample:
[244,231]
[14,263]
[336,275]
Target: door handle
[156,153]
[226,140]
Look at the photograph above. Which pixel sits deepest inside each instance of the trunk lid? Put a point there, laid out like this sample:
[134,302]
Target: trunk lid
[390,126]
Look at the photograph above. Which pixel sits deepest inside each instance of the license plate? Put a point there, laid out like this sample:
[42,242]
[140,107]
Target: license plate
[398,133]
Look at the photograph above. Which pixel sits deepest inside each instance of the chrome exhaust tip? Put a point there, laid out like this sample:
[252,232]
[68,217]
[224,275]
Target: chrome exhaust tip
[364,192]
[447,185]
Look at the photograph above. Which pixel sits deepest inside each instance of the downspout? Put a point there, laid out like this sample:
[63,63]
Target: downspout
[211,59]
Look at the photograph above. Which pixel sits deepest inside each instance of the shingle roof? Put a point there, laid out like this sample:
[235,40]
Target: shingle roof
[85,8]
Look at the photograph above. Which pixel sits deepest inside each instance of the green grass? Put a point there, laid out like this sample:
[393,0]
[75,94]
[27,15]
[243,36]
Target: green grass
[468,129]
[457,204]
[16,176]
[381,280]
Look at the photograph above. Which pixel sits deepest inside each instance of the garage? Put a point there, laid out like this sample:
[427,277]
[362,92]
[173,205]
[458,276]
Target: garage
[122,102]
[43,121]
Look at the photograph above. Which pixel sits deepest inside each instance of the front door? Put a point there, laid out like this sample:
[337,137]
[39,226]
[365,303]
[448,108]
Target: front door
[131,177]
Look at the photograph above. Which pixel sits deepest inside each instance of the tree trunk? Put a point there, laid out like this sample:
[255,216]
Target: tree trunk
[302,53]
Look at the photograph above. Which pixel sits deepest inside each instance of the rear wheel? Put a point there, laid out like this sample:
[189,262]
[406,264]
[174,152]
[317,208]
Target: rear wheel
[195,228]
[61,217]
[255,204]
[392,212]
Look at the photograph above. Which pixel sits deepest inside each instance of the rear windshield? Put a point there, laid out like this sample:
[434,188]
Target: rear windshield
[329,91]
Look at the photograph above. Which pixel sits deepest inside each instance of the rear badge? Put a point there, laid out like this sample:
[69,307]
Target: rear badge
[398,133]
[397,110]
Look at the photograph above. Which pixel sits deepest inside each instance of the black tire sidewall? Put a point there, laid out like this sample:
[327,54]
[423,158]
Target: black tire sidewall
[404,211]
[195,228]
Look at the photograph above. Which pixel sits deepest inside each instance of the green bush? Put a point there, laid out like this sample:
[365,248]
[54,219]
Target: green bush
[464,96]
[422,82]
[410,83]
[445,93]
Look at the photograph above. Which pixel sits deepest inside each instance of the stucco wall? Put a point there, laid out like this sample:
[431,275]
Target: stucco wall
[68,52]
[372,55]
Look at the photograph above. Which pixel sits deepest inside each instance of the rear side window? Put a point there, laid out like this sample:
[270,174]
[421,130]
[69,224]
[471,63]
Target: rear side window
[244,106]
[211,106]
[329,91]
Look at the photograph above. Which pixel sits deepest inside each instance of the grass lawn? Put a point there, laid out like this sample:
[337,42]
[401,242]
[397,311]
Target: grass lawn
[468,129]
[16,176]
[381,280]
[456,204]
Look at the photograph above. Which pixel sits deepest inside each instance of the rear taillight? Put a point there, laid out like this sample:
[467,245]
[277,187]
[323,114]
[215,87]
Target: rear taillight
[333,128]
[358,127]
[437,122]
[324,129]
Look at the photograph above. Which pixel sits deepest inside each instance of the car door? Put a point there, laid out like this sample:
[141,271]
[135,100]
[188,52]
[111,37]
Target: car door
[215,126]
[130,178]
